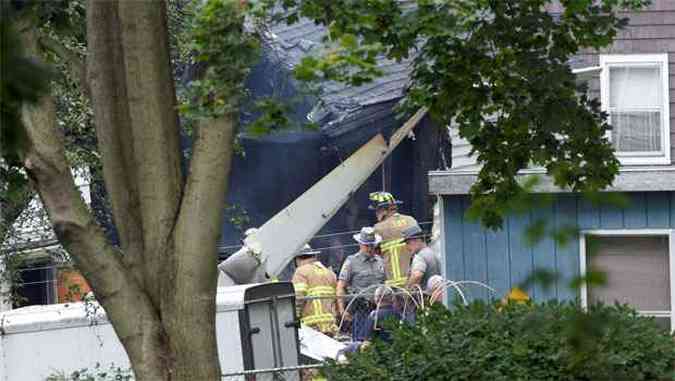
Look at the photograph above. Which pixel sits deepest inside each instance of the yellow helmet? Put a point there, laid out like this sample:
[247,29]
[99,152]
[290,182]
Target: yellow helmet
[382,200]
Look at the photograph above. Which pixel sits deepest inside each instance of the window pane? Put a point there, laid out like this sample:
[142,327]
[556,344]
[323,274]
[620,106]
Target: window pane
[663,322]
[35,285]
[638,131]
[631,87]
[637,270]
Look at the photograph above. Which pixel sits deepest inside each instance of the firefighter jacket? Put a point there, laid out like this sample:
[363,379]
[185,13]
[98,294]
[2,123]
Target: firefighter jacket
[314,280]
[396,256]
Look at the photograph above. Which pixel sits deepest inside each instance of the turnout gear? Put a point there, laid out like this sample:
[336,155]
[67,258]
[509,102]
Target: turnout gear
[317,282]
[396,256]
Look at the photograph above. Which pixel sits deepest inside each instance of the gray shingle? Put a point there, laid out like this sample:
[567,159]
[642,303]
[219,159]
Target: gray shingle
[339,108]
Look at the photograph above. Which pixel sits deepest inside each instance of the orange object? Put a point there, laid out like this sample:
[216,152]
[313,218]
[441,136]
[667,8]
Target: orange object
[518,295]
[72,286]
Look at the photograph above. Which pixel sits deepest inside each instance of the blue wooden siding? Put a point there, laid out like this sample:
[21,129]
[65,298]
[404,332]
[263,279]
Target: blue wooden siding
[503,259]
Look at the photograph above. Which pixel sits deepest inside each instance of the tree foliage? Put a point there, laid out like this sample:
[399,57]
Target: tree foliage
[553,341]
[22,81]
[227,52]
[496,69]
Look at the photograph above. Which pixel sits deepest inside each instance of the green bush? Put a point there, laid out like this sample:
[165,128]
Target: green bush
[97,373]
[552,341]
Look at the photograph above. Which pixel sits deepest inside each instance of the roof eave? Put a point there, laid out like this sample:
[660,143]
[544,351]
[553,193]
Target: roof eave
[635,179]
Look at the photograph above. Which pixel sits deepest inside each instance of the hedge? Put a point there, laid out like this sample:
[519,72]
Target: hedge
[551,341]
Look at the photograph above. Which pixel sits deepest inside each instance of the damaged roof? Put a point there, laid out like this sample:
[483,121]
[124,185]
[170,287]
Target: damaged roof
[339,108]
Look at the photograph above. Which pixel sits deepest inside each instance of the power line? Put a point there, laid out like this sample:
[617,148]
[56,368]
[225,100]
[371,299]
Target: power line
[327,235]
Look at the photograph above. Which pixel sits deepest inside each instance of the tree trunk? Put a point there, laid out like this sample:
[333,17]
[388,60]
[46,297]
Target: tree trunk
[158,287]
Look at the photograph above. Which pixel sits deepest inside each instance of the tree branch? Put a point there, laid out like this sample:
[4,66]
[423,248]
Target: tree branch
[107,82]
[154,127]
[76,65]
[197,233]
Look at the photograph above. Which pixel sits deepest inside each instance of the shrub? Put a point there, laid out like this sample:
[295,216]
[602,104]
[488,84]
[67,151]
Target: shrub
[552,341]
[97,373]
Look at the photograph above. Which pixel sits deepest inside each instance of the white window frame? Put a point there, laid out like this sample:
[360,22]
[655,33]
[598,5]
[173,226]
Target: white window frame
[670,233]
[444,272]
[640,60]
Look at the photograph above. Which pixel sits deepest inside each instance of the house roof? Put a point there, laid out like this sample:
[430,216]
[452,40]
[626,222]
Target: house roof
[339,108]
[629,179]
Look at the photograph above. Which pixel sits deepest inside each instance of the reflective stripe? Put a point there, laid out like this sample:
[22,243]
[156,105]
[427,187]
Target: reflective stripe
[319,269]
[314,310]
[318,319]
[300,287]
[392,243]
[318,308]
[321,291]
[324,321]
[392,249]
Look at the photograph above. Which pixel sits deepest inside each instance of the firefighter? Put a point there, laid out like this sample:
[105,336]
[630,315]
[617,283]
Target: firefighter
[360,271]
[390,227]
[425,263]
[317,282]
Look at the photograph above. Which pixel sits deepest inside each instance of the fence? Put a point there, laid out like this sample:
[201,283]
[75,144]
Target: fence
[392,300]
[370,308]
[289,373]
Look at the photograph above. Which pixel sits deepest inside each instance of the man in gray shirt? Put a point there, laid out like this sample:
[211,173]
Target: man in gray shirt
[425,264]
[359,273]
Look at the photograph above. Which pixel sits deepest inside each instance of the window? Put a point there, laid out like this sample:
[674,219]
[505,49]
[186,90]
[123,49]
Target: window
[634,92]
[639,268]
[36,284]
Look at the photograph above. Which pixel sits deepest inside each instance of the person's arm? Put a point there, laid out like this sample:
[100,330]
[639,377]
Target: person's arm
[341,289]
[417,270]
[414,279]
[340,292]
[300,286]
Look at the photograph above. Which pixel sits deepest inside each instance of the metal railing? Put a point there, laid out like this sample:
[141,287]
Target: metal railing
[287,373]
